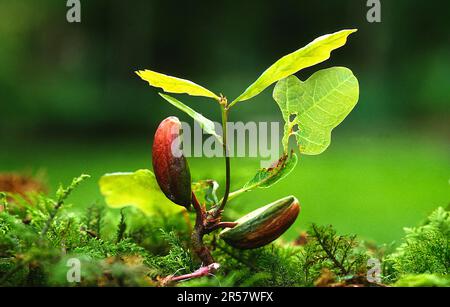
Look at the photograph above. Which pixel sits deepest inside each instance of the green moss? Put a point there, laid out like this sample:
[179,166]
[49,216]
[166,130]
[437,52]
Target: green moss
[130,249]
[424,280]
[424,250]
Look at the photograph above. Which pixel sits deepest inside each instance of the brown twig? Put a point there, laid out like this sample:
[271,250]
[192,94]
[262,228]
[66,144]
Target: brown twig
[201,272]
[199,231]
[205,222]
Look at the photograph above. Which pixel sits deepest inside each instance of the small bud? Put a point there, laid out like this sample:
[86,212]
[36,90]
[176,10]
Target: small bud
[264,225]
[169,164]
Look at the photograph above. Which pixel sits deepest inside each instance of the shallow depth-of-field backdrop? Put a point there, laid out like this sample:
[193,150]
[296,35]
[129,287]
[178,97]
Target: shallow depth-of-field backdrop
[71,104]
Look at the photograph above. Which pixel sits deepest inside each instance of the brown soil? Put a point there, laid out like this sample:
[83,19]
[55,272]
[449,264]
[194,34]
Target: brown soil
[20,184]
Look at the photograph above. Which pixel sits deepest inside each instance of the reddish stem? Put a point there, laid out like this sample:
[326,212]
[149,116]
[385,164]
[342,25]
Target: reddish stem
[203,225]
[199,231]
[200,213]
[203,271]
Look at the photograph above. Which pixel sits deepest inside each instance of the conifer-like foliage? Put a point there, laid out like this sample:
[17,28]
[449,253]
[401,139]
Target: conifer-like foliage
[425,249]
[128,249]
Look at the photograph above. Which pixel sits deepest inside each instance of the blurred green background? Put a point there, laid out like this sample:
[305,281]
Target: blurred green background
[70,102]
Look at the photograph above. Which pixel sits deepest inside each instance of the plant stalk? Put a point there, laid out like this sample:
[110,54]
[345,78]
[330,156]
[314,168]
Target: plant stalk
[207,222]
[203,271]
[225,110]
[197,234]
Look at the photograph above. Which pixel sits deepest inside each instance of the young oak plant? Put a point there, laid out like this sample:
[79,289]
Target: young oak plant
[311,109]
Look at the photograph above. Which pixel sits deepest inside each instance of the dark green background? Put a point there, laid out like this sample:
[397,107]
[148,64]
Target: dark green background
[70,102]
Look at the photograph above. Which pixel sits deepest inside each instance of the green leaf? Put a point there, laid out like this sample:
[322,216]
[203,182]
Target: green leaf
[267,177]
[138,189]
[318,105]
[206,124]
[174,85]
[314,53]
[205,191]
